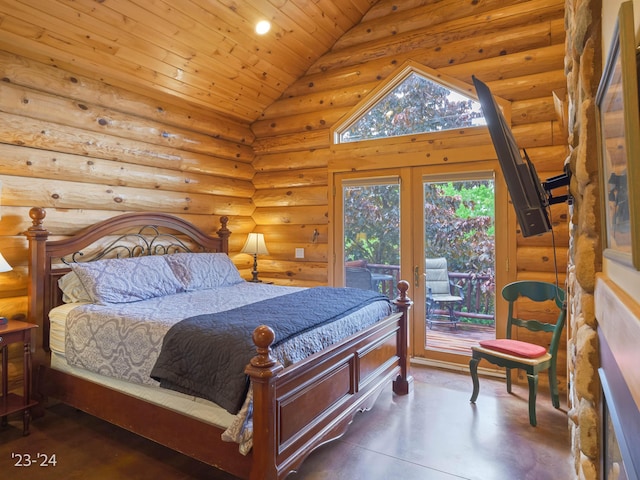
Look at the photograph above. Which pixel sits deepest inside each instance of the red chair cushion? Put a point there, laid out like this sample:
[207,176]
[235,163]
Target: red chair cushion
[514,347]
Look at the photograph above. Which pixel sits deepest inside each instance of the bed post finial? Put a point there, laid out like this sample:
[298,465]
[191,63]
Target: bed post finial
[263,337]
[224,233]
[403,384]
[37,215]
[403,287]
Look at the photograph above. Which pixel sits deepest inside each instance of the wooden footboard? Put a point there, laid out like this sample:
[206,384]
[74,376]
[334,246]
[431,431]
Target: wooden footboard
[296,409]
[313,401]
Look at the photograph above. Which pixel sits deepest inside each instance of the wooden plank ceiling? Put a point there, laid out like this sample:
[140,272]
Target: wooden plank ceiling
[205,52]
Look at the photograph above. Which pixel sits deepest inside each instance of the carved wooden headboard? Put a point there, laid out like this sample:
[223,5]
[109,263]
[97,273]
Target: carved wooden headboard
[127,235]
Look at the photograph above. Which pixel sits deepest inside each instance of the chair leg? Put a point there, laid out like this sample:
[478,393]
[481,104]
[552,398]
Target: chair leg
[452,317]
[508,380]
[533,389]
[553,385]
[473,368]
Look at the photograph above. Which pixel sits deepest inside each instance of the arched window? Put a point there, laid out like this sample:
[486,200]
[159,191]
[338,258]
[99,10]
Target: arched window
[414,101]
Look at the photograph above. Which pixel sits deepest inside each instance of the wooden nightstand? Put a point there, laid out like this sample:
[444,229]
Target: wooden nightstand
[13,332]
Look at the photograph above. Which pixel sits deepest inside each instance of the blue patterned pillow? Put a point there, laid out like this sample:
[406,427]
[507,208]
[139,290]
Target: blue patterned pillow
[200,271]
[123,280]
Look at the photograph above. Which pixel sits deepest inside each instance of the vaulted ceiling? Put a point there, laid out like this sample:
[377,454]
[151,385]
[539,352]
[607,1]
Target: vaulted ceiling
[205,52]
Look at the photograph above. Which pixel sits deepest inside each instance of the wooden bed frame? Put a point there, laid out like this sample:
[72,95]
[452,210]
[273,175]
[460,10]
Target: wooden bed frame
[296,409]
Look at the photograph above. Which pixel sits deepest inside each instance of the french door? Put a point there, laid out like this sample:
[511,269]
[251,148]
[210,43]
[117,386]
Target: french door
[387,223]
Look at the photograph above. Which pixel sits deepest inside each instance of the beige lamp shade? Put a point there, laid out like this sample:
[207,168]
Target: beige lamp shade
[4,265]
[255,245]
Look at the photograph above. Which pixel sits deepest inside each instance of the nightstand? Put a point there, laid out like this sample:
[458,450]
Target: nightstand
[14,332]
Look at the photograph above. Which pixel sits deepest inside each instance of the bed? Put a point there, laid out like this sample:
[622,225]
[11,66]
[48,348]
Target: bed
[295,408]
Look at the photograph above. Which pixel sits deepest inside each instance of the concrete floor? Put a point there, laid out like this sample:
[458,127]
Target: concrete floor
[433,434]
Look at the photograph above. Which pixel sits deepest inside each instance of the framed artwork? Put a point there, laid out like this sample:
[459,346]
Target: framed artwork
[619,125]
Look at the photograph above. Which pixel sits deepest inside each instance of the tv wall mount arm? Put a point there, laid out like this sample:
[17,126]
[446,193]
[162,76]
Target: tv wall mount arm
[552,183]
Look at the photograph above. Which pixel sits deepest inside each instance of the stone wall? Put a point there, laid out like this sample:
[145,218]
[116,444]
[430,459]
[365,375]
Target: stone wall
[583,64]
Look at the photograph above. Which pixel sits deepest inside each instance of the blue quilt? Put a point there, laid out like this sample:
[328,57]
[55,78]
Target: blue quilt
[206,355]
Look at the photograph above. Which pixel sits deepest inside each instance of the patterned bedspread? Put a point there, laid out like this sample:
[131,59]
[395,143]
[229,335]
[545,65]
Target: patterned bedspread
[124,340]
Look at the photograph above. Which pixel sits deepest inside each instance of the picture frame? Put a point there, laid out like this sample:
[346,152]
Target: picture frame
[619,138]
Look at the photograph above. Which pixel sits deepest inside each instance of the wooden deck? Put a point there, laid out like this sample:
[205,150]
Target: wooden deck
[445,338]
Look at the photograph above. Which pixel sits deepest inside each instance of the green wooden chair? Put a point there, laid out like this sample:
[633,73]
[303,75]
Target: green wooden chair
[531,358]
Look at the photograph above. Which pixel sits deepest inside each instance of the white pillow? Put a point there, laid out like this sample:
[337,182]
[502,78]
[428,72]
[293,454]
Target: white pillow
[73,290]
[123,280]
[200,271]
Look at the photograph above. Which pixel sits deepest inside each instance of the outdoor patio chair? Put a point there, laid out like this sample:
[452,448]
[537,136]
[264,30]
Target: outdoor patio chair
[358,277]
[439,292]
[532,358]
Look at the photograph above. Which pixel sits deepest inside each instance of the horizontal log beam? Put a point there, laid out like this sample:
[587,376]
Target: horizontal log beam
[68,221]
[36,163]
[302,159]
[347,95]
[23,131]
[295,234]
[291,178]
[293,142]
[21,191]
[281,197]
[541,259]
[446,47]
[306,121]
[291,215]
[420,154]
[101,120]
[446,15]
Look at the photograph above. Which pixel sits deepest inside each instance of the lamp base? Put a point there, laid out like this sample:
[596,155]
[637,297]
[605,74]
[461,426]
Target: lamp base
[254,277]
[254,272]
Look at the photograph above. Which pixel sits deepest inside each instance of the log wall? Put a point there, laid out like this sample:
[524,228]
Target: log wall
[516,47]
[87,151]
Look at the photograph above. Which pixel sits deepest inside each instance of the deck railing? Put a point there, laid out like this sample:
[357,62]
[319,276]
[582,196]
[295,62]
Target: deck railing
[478,291]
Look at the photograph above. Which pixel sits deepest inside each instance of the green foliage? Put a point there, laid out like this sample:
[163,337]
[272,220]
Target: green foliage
[459,224]
[416,105]
[476,200]
[372,223]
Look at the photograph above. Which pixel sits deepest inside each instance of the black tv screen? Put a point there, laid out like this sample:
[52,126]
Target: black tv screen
[527,194]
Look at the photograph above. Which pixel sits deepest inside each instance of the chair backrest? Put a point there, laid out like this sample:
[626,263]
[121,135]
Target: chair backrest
[437,275]
[538,292]
[358,277]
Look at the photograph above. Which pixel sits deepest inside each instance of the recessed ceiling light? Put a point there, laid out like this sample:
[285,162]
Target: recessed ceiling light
[262,27]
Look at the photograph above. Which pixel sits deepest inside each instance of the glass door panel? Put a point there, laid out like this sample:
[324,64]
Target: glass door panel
[388,222]
[458,247]
[371,226]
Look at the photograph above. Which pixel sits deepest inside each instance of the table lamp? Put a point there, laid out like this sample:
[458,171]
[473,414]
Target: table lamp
[255,246]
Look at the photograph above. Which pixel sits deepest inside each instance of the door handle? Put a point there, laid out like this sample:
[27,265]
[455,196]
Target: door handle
[416,276]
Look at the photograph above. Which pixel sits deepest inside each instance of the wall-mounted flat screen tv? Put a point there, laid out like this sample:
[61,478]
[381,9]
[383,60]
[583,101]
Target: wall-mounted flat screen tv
[527,193]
